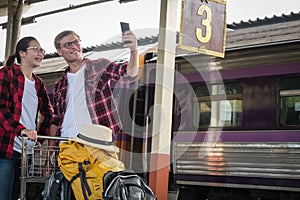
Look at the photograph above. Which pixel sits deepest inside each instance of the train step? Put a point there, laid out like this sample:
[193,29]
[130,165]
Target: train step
[173,194]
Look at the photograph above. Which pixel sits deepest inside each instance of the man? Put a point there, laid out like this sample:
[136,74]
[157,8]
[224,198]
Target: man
[83,94]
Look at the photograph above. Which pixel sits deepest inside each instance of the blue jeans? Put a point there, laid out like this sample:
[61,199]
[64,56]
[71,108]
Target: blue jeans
[8,168]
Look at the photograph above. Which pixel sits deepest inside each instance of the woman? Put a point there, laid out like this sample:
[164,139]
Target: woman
[22,97]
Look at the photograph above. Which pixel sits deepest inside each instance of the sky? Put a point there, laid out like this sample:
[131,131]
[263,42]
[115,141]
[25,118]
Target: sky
[100,24]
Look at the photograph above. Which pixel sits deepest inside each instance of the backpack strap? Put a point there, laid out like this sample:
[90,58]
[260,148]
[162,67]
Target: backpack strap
[84,184]
[56,184]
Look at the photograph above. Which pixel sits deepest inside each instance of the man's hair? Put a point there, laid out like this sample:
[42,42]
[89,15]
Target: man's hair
[62,35]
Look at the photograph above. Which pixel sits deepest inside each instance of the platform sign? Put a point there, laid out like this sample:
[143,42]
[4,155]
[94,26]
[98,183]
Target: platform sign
[203,27]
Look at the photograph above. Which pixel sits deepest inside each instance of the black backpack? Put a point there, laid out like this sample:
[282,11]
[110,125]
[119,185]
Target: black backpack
[126,185]
[57,187]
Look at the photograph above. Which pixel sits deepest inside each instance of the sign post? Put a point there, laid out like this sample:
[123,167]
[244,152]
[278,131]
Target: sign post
[203,27]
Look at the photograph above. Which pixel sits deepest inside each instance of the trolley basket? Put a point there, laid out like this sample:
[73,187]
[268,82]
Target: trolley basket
[33,165]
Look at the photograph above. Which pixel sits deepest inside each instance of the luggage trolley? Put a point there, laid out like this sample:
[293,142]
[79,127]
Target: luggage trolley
[33,172]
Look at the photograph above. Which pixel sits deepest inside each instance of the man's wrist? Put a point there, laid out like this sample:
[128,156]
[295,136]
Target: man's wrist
[133,50]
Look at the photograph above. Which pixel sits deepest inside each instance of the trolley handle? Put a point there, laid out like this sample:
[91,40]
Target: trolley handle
[48,137]
[52,137]
[25,139]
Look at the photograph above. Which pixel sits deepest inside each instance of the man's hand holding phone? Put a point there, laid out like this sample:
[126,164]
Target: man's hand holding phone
[129,41]
[128,38]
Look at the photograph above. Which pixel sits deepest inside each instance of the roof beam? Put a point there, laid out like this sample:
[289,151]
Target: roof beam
[14,21]
[31,19]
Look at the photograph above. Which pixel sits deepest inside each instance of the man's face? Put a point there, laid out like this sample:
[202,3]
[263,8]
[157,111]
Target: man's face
[70,48]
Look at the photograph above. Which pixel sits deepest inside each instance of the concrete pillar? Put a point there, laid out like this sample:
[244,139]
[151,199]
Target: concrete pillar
[163,102]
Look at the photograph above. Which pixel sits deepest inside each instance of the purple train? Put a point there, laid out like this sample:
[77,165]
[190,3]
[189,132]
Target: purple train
[236,121]
[242,131]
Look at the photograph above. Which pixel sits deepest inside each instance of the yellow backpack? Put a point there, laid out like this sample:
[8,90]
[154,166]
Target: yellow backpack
[84,167]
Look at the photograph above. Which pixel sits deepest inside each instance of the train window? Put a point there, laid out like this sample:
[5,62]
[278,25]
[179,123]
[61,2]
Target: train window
[218,105]
[290,101]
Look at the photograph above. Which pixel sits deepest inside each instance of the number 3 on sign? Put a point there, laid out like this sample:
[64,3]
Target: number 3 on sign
[206,23]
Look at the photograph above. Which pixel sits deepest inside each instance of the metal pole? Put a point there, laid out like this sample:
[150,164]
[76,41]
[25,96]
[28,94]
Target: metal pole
[17,25]
[23,169]
[14,17]
[131,153]
[9,31]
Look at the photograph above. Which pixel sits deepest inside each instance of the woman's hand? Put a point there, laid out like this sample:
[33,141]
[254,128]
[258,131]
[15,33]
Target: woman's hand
[31,134]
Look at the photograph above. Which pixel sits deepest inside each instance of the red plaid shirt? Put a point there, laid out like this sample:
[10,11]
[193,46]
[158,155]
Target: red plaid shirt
[12,83]
[99,96]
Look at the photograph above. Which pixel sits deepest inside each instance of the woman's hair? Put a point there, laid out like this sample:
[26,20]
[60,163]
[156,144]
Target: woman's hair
[22,45]
[62,35]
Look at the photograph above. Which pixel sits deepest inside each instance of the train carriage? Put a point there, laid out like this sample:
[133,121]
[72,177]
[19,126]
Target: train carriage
[240,127]
[236,120]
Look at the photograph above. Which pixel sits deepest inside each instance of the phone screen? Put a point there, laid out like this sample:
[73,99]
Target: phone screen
[124,27]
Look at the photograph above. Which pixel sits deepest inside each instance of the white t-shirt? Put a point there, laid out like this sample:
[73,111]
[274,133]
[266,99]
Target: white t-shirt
[28,114]
[77,113]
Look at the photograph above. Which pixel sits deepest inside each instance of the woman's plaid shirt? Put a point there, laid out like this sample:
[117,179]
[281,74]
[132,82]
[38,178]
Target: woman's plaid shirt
[12,83]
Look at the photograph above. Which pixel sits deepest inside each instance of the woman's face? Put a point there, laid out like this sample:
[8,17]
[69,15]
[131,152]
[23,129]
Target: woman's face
[33,56]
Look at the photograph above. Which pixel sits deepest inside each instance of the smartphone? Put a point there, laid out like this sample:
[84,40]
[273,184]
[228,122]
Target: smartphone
[124,27]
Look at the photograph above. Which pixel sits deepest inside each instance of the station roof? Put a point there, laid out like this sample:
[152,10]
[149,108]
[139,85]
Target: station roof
[245,34]
[260,32]
[4,5]
[27,3]
[265,21]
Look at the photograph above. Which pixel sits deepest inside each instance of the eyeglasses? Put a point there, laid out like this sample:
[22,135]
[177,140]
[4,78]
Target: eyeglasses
[69,45]
[37,50]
